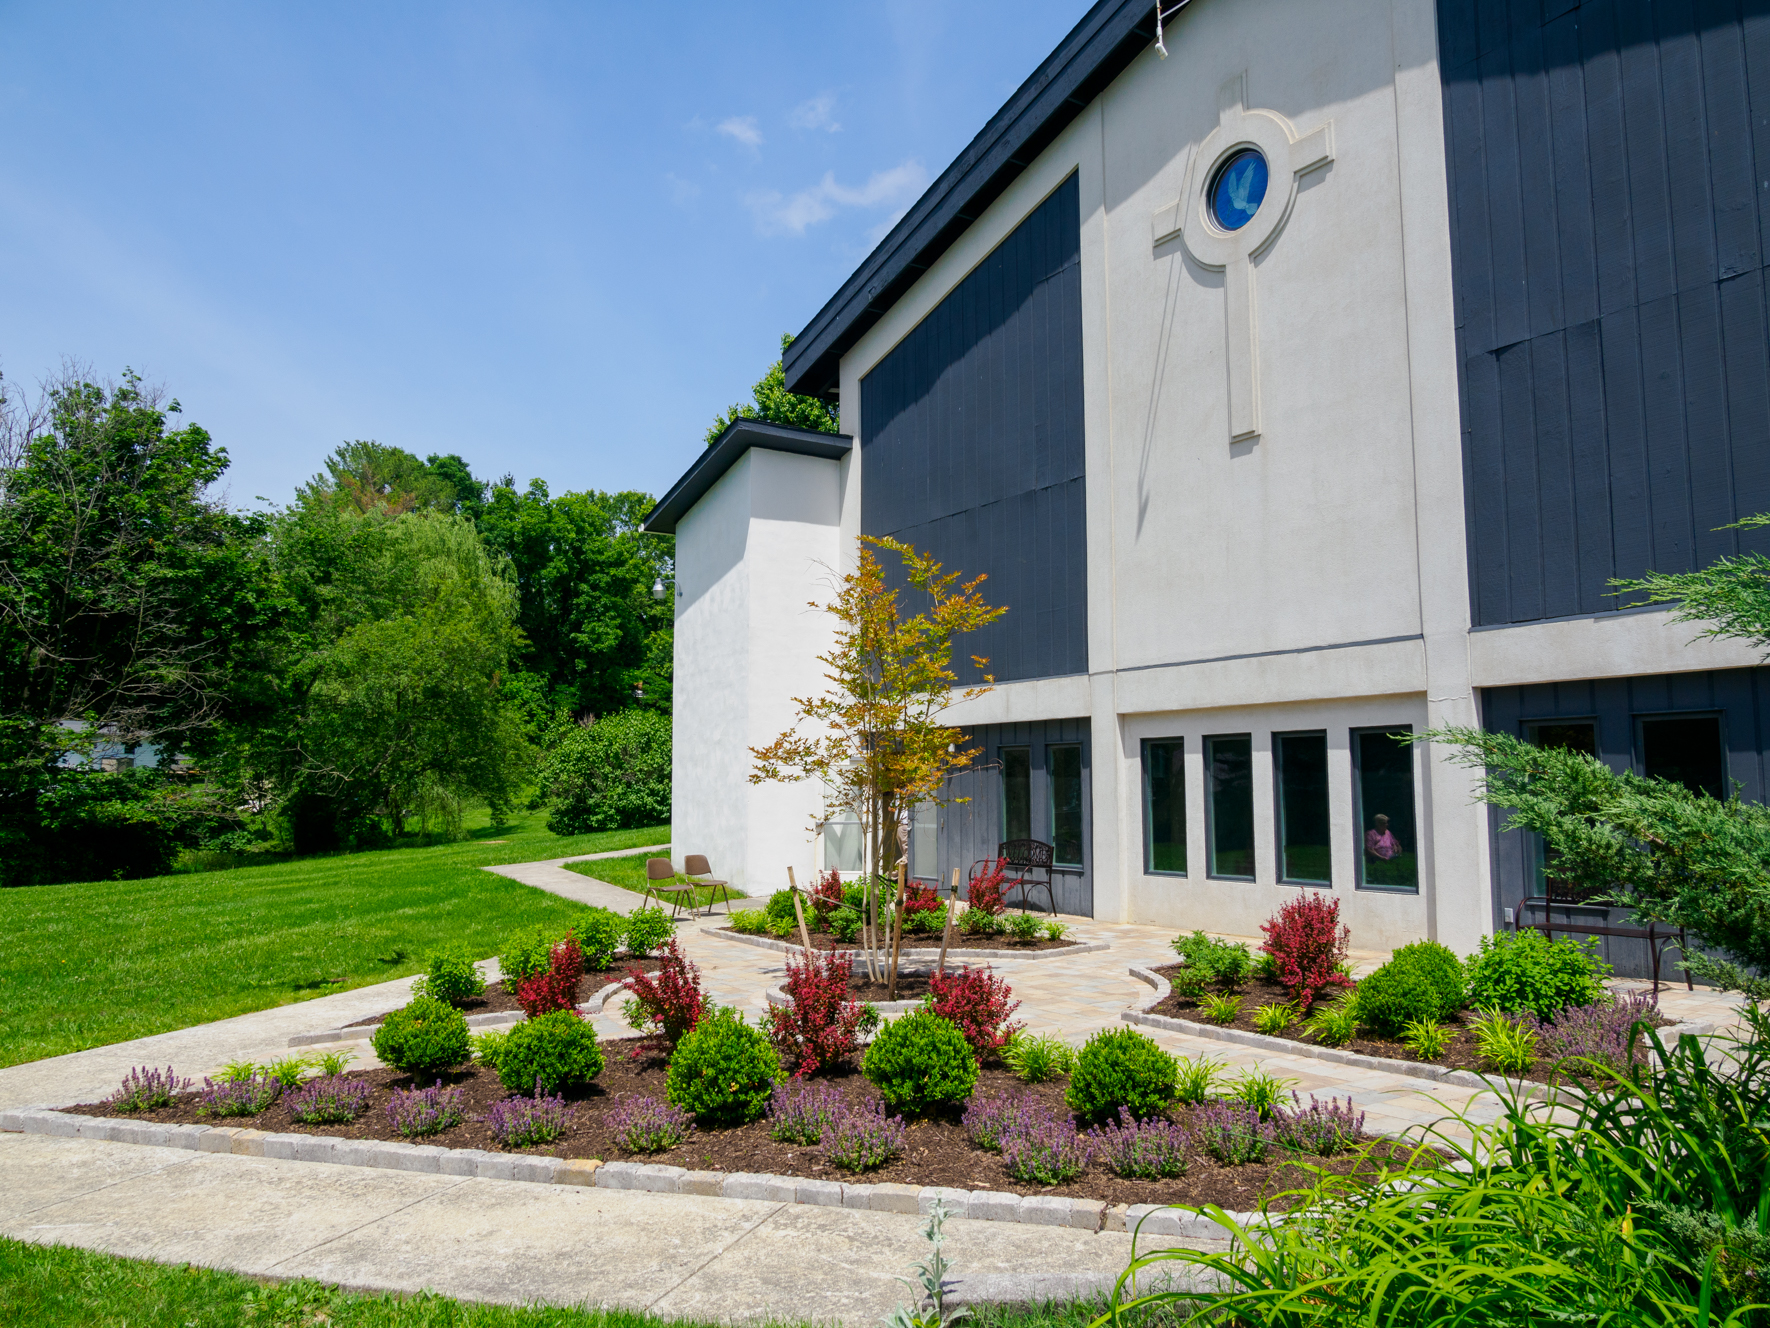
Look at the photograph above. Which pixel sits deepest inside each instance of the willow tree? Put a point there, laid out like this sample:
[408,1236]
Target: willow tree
[875,739]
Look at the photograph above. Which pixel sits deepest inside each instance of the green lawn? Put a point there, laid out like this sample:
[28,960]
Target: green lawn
[103,961]
[629,874]
[50,1286]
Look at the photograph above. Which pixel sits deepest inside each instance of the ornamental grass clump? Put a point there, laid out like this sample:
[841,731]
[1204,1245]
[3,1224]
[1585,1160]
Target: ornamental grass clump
[977,1003]
[1233,1134]
[1508,1045]
[238,1097]
[329,1100]
[1259,1090]
[146,1088]
[802,1111]
[1045,1148]
[988,1120]
[646,1125]
[863,1138]
[1196,1080]
[1602,1033]
[1141,1150]
[1036,1059]
[1320,1129]
[417,1112]
[1334,1025]
[1306,943]
[819,1025]
[522,1122]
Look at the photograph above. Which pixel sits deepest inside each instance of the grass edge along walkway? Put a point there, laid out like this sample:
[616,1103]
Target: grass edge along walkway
[59,1286]
[99,962]
[629,874]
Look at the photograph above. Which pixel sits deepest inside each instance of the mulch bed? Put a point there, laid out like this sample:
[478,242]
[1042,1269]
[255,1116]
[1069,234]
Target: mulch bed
[499,998]
[910,987]
[937,1151]
[823,940]
[1459,1052]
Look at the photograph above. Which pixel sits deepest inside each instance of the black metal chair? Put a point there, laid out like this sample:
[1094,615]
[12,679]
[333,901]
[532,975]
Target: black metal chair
[1029,865]
[1561,894]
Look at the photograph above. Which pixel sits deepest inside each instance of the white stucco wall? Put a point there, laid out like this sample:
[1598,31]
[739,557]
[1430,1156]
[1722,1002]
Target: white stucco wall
[750,556]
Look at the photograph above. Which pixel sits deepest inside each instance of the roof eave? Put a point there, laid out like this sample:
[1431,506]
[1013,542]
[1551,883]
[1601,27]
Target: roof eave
[723,453]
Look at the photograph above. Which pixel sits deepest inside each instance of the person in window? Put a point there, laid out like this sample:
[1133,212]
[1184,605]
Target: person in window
[1379,842]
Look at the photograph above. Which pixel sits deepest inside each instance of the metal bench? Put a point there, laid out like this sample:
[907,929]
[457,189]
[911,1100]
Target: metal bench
[1561,895]
[1027,867]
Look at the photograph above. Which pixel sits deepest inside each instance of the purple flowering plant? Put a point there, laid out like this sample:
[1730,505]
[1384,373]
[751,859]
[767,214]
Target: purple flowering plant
[646,1125]
[988,1119]
[803,1110]
[862,1138]
[1322,1129]
[146,1088]
[415,1112]
[328,1100]
[1044,1148]
[1602,1032]
[245,1096]
[1232,1134]
[518,1122]
[1146,1149]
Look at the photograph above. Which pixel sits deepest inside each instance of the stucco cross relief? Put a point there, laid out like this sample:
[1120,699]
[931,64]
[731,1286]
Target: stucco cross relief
[1289,156]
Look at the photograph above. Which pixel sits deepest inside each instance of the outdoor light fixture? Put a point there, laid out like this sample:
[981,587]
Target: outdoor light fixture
[657,589]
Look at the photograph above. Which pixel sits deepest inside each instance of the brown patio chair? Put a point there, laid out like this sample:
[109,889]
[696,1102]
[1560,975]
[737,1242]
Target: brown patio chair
[696,867]
[660,880]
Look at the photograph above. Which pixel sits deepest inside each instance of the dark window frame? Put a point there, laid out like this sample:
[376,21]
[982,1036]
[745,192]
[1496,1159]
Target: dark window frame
[1149,867]
[1538,863]
[1355,752]
[1211,808]
[1051,803]
[1278,826]
[1638,739]
[1031,800]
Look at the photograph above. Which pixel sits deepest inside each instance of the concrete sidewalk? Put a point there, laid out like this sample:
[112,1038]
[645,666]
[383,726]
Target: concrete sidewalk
[550,875]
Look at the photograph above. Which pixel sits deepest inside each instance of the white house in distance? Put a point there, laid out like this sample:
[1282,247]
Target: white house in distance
[1298,387]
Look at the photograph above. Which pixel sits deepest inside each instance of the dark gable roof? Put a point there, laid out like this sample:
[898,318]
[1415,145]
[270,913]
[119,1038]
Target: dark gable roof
[1096,51]
[737,438]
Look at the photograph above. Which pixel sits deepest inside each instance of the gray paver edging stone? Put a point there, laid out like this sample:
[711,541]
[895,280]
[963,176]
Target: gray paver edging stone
[497,1019]
[775,996]
[1140,1014]
[979,1205]
[919,954]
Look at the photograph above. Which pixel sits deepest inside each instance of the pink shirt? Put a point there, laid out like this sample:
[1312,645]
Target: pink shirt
[1381,844]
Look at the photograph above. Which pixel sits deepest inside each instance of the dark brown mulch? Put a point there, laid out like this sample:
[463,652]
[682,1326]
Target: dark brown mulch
[959,946]
[498,998]
[1459,1053]
[910,987]
[937,1151]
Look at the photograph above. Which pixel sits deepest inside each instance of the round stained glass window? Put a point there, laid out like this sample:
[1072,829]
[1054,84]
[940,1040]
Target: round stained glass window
[1237,192]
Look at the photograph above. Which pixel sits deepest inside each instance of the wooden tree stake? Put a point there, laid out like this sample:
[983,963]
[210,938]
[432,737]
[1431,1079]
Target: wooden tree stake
[897,930]
[946,932]
[799,912]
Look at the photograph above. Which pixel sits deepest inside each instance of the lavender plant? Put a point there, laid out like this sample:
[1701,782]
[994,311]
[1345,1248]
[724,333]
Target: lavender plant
[803,1111]
[238,1097]
[989,1119]
[518,1122]
[1320,1129]
[1045,1149]
[146,1088]
[1232,1134]
[1600,1033]
[330,1099]
[415,1112]
[1141,1150]
[646,1125]
[862,1138]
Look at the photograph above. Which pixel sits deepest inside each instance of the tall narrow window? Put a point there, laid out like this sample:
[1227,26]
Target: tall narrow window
[842,846]
[1383,779]
[1016,793]
[1229,807]
[1164,806]
[1065,765]
[1301,774]
[1685,749]
[1574,735]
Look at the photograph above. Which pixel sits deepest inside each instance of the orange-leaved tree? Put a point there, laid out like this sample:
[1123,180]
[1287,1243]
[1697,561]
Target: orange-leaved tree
[874,738]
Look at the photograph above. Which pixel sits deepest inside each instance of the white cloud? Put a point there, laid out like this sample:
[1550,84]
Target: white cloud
[682,192]
[743,129]
[816,113]
[777,214]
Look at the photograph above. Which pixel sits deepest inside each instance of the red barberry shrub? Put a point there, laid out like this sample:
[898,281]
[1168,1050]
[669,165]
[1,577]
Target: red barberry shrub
[920,899]
[978,1002]
[826,896]
[1306,942]
[819,1027]
[672,1001]
[985,891]
[557,988]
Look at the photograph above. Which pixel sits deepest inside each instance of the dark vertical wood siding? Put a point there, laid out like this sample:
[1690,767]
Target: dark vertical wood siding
[972,830]
[971,443]
[1609,232]
[1741,696]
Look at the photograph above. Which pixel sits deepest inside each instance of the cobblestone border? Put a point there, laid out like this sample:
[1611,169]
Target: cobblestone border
[1140,1014]
[979,1205]
[497,1019]
[919,954]
[886,1009]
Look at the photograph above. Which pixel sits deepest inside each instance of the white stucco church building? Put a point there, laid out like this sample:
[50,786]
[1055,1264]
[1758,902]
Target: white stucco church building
[1299,381]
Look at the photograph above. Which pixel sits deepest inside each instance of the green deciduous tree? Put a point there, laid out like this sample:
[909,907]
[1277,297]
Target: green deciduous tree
[770,400]
[612,774]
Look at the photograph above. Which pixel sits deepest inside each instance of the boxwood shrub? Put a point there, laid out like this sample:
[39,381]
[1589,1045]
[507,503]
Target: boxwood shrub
[921,1062]
[423,1038]
[524,954]
[1120,1067]
[723,1070]
[599,932]
[1422,981]
[559,1049]
[450,976]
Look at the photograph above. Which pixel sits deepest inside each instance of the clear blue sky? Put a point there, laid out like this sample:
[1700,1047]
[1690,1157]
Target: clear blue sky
[554,238]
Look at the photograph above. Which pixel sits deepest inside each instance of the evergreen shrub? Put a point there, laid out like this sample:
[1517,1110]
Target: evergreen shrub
[423,1038]
[1120,1067]
[648,928]
[723,1070]
[920,1062]
[598,933]
[450,976]
[1421,982]
[524,954]
[558,1049]
[1523,970]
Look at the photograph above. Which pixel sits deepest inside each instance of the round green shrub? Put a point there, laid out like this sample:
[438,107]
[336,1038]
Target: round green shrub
[780,908]
[647,929]
[1524,970]
[524,954]
[1120,1067]
[1422,981]
[424,1038]
[612,775]
[723,1070]
[921,1061]
[559,1049]
[451,976]
[599,933]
